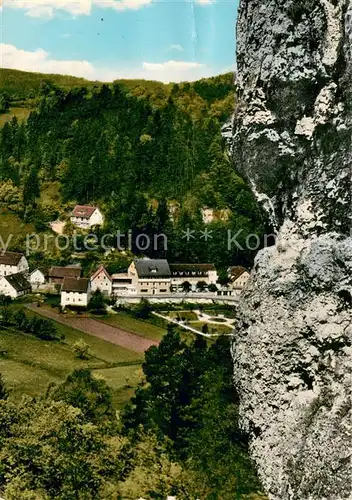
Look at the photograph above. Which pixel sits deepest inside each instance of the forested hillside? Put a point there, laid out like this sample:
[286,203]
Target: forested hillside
[151,155]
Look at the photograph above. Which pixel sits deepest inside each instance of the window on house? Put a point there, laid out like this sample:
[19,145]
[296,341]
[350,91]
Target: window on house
[144,290]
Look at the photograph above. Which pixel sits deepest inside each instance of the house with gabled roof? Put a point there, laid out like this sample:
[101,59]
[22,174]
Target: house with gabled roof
[13,263]
[86,216]
[101,280]
[238,276]
[14,285]
[75,292]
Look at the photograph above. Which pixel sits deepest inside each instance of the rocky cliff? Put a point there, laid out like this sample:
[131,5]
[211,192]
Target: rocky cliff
[291,137]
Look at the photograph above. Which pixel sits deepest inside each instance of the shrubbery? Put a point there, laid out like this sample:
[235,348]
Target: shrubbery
[44,329]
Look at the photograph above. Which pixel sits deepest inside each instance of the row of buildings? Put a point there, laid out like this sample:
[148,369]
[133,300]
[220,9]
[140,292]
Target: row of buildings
[148,278]
[144,278]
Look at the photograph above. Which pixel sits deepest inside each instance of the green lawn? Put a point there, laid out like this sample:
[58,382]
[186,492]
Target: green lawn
[211,327]
[137,326]
[31,364]
[123,381]
[184,315]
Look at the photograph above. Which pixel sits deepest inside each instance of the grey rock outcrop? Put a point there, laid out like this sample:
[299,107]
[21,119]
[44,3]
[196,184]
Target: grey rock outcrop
[291,137]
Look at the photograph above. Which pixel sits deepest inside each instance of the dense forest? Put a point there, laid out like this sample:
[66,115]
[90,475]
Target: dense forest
[150,155]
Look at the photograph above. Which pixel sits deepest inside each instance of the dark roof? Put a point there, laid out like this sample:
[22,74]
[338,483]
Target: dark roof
[10,258]
[65,272]
[75,285]
[18,282]
[147,268]
[236,271]
[192,267]
[85,211]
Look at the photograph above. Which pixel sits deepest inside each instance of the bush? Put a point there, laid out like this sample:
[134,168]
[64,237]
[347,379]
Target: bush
[6,316]
[97,303]
[3,391]
[20,320]
[143,309]
[81,349]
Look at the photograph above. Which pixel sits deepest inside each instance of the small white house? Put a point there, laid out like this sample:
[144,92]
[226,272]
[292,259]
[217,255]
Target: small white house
[13,263]
[14,285]
[37,278]
[101,280]
[75,292]
[85,216]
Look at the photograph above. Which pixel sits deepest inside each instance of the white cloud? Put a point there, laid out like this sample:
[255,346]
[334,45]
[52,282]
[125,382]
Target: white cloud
[176,46]
[41,62]
[48,8]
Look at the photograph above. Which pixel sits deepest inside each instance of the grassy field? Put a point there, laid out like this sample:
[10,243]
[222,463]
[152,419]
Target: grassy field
[31,364]
[139,327]
[20,113]
[211,327]
[184,315]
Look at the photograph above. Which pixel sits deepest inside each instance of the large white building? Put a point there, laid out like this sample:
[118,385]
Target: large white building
[86,216]
[13,263]
[75,292]
[150,277]
[14,285]
[193,274]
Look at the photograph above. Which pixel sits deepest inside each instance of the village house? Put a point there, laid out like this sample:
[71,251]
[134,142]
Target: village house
[75,292]
[13,263]
[122,284]
[238,276]
[37,278]
[101,280]
[150,277]
[14,285]
[193,274]
[57,274]
[85,216]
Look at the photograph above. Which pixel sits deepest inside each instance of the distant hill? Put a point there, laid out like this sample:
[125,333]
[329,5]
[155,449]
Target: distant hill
[25,85]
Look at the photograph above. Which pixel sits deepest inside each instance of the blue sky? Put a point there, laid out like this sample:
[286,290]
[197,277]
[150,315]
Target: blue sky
[107,39]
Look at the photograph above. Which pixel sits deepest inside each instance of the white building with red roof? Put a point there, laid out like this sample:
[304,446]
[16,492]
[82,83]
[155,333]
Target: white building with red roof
[86,216]
[101,280]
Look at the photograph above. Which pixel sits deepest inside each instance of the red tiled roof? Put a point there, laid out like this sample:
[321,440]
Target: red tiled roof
[84,211]
[10,258]
[75,285]
[98,271]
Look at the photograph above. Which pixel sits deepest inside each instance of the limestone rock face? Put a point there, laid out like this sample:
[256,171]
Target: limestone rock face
[291,137]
